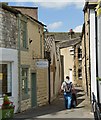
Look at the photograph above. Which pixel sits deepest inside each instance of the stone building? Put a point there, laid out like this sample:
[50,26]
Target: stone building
[84,71]
[64,43]
[89,48]
[55,69]
[24,73]
[34,75]
[32,11]
[98,33]
[9,54]
[78,64]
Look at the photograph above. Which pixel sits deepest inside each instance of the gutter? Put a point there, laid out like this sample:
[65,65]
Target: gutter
[89,58]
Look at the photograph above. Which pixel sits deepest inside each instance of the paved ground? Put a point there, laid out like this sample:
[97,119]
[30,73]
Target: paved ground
[56,110]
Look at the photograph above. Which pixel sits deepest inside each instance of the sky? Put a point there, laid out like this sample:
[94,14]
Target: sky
[59,16]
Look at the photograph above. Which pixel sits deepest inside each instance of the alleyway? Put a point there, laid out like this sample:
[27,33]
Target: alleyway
[57,110]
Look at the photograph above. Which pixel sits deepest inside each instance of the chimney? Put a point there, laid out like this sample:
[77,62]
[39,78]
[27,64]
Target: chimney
[71,32]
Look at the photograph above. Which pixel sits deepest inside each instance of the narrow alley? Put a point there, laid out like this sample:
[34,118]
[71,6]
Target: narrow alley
[46,48]
[57,110]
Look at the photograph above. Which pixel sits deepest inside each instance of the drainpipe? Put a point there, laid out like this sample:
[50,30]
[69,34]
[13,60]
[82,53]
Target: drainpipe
[49,84]
[19,64]
[89,58]
[49,62]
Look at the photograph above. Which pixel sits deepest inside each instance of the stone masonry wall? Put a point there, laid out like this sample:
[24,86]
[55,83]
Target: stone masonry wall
[29,58]
[8,29]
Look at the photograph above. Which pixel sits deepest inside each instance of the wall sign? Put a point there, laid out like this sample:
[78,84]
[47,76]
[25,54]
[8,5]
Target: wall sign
[42,64]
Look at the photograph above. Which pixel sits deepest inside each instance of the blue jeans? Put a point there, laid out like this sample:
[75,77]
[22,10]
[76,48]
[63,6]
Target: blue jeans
[68,99]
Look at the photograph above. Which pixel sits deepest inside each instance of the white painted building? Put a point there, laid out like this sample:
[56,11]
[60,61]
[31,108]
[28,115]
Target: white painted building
[99,47]
[9,67]
[93,51]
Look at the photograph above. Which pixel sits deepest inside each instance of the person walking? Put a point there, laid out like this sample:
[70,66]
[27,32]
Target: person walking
[66,87]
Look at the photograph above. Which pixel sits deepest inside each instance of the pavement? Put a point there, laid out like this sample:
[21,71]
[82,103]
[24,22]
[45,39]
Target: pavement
[57,110]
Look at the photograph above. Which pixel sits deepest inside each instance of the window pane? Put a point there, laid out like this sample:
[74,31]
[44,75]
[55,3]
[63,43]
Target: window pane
[23,34]
[24,81]
[5,79]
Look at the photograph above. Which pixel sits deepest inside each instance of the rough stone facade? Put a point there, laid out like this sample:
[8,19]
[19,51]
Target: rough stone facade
[55,64]
[84,82]
[30,50]
[87,47]
[8,29]
[78,64]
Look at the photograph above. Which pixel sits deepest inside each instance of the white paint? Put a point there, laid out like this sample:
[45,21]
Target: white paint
[11,56]
[93,53]
[99,53]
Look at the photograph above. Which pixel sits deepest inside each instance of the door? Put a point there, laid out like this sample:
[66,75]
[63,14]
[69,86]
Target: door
[33,91]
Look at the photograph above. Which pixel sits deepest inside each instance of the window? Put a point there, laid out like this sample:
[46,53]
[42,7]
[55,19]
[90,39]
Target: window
[23,34]
[24,82]
[80,73]
[79,53]
[5,79]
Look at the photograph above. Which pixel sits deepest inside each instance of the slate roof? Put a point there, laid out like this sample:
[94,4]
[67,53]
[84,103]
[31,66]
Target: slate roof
[63,36]
[63,39]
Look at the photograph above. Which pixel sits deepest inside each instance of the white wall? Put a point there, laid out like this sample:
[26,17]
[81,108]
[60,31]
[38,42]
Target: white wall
[11,56]
[93,53]
[99,53]
[68,61]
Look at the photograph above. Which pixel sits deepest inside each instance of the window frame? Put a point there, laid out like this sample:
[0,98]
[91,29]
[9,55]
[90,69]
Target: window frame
[9,79]
[80,73]
[25,92]
[23,33]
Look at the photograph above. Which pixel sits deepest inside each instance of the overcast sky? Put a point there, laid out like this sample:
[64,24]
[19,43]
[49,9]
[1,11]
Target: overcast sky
[58,16]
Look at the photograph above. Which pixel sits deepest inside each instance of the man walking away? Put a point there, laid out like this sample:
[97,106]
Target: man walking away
[67,89]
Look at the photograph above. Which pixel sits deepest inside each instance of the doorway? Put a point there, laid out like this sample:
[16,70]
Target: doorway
[33,90]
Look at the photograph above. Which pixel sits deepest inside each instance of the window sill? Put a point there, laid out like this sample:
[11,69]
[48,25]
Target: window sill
[24,49]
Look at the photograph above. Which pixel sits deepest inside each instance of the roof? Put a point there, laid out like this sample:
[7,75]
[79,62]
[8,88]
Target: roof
[25,7]
[69,43]
[63,36]
[15,11]
[36,20]
[90,5]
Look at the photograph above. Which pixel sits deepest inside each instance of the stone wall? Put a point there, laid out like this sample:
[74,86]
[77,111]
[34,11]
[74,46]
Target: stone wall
[8,29]
[87,48]
[29,57]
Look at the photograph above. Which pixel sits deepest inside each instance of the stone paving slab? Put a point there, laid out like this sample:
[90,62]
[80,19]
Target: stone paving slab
[57,110]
